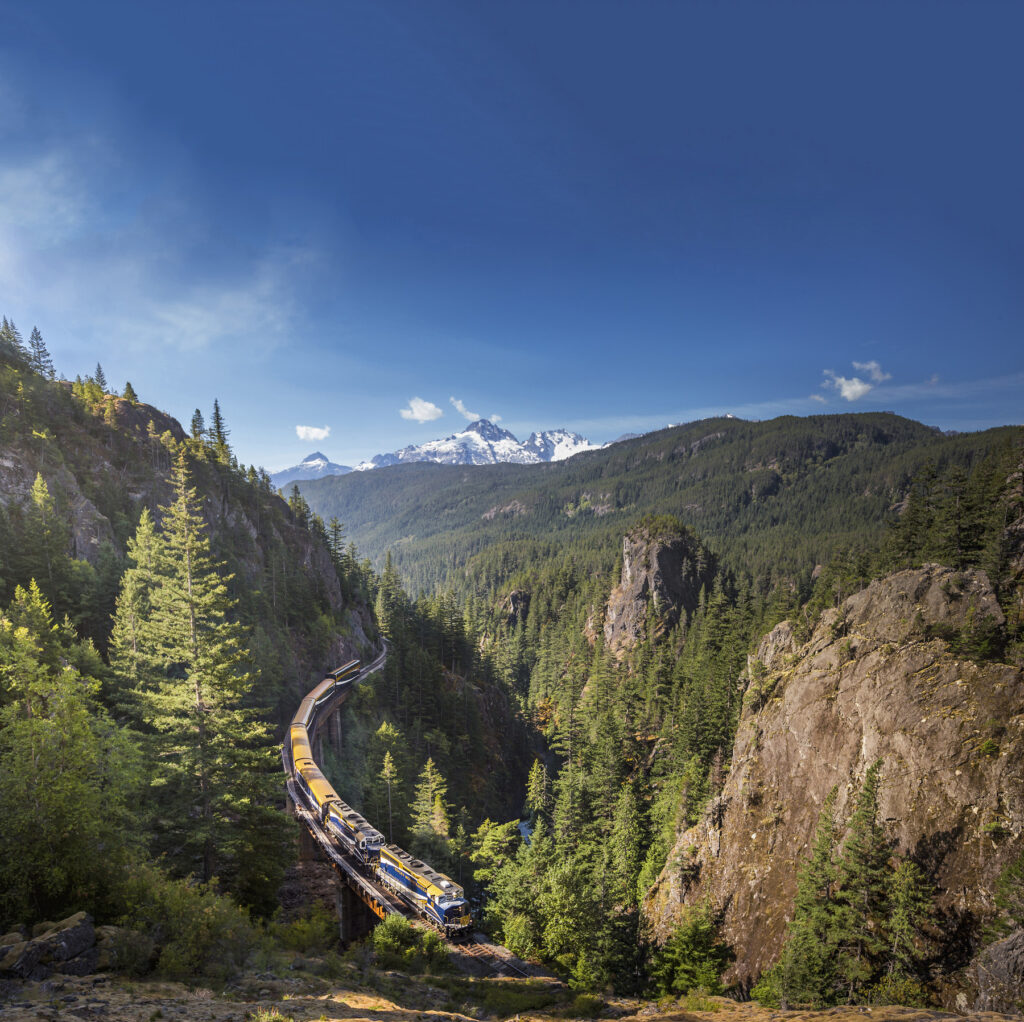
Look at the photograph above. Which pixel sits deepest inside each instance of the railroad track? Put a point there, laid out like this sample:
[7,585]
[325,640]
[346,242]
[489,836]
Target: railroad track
[488,956]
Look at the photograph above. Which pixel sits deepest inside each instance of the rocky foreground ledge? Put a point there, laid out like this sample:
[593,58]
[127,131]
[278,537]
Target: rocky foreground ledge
[71,947]
[393,997]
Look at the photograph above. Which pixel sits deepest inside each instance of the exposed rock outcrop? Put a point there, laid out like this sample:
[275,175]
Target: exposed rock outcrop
[872,682]
[663,569]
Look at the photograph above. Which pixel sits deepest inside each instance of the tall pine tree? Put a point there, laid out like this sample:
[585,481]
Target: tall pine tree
[214,783]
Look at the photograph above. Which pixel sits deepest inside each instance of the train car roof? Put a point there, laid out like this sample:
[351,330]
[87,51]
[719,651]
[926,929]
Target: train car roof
[443,883]
[302,713]
[344,669]
[358,822]
[321,689]
[322,789]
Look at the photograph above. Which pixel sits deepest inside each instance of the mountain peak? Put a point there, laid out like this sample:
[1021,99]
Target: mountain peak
[485,443]
[313,466]
[488,430]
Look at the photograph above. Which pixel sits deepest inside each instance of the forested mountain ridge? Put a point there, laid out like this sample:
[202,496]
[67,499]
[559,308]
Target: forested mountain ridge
[771,498]
[101,458]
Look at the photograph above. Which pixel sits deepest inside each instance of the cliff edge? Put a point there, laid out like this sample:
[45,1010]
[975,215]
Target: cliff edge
[878,678]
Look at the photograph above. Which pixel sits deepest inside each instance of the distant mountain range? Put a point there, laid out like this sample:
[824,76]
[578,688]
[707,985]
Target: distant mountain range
[480,443]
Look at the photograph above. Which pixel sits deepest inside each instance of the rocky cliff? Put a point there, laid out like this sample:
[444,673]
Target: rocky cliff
[874,680]
[663,569]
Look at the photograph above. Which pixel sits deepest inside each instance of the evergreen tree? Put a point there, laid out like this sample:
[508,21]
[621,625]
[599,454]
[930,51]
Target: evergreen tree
[194,680]
[198,426]
[912,913]
[389,775]
[38,357]
[219,434]
[429,812]
[129,393]
[12,348]
[100,378]
[862,893]
[129,645]
[807,973]
[68,772]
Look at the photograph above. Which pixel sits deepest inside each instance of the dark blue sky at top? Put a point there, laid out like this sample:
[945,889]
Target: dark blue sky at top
[602,216]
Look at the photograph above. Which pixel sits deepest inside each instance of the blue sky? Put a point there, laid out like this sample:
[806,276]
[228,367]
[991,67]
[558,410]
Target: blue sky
[600,216]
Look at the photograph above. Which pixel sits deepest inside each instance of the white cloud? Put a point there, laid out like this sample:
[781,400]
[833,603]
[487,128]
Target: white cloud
[495,417]
[421,411]
[874,370]
[819,399]
[463,410]
[853,388]
[312,432]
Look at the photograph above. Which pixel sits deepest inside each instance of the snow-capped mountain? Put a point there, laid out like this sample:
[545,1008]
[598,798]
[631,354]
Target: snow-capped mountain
[313,466]
[484,443]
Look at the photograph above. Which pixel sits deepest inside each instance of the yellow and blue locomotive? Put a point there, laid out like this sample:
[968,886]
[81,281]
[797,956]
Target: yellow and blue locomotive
[434,896]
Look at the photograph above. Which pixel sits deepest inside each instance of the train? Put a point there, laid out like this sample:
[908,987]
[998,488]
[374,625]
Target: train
[432,895]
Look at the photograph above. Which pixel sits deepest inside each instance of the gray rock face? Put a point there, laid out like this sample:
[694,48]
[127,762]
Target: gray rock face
[67,946]
[998,974]
[870,683]
[662,571]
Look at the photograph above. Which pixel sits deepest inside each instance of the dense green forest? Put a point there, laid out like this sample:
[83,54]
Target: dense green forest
[162,612]
[122,731]
[771,498]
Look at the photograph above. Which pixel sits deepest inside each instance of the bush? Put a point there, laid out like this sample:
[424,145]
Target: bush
[196,930]
[400,945]
[767,991]
[316,931]
[898,988]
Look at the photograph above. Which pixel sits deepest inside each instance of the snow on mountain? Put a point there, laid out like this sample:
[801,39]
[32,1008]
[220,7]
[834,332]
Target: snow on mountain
[558,444]
[313,466]
[484,443]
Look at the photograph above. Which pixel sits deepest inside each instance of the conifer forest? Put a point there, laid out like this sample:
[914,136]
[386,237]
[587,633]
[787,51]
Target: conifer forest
[566,685]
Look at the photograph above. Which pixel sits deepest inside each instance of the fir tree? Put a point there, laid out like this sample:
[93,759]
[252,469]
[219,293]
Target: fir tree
[807,971]
[100,378]
[219,434]
[38,357]
[12,348]
[129,393]
[389,775]
[912,913]
[198,426]
[194,679]
[862,891]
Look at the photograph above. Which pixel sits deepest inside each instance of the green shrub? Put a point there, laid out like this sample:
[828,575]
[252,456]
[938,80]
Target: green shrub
[315,931]
[898,988]
[587,1006]
[399,945]
[767,991]
[196,930]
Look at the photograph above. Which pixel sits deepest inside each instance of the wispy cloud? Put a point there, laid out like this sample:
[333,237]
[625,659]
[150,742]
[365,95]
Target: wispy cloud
[420,410]
[874,370]
[81,244]
[312,432]
[853,388]
[460,407]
